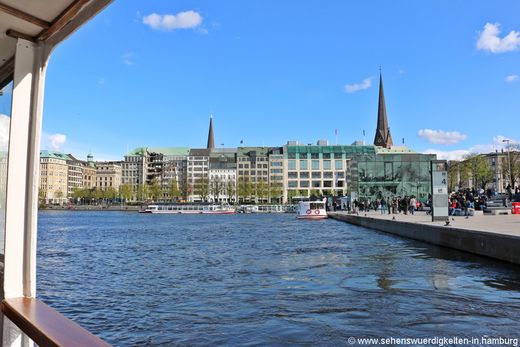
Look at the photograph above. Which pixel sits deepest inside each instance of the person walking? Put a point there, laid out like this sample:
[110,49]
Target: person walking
[413,203]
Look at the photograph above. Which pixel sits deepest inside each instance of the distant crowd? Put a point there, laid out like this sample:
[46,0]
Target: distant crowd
[462,202]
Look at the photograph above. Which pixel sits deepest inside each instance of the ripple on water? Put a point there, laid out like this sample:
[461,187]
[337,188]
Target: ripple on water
[254,280]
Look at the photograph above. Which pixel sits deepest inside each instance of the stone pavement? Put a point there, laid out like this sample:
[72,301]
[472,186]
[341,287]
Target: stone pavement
[501,224]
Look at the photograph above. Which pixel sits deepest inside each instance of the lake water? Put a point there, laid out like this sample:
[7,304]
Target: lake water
[179,280]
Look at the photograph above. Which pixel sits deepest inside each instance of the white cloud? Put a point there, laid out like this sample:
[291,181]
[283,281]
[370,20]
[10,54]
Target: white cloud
[355,87]
[168,22]
[490,41]
[128,59]
[55,141]
[442,137]
[511,78]
[497,145]
[4,132]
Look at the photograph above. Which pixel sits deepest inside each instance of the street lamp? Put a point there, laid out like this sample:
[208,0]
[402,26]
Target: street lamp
[509,160]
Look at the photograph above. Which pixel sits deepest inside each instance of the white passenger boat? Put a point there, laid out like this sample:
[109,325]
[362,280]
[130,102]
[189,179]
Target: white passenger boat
[312,209]
[188,209]
[267,209]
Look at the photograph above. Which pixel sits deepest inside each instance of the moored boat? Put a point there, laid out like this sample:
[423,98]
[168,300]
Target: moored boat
[188,209]
[312,210]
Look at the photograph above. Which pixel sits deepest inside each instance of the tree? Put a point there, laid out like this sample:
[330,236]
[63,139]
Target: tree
[142,192]
[245,189]
[110,193]
[231,191]
[216,187]
[185,189]
[479,169]
[261,190]
[512,159]
[173,189]
[155,191]
[42,195]
[291,193]
[275,191]
[126,191]
[201,188]
[58,195]
[454,168]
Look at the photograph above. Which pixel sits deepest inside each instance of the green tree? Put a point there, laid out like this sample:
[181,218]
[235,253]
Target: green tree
[275,192]
[511,160]
[173,189]
[291,193]
[231,191]
[155,189]
[110,193]
[42,195]
[58,195]
[454,168]
[261,190]
[126,192]
[479,170]
[315,193]
[142,192]
[201,188]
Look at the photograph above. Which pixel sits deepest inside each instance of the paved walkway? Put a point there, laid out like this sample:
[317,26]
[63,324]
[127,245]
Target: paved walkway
[500,224]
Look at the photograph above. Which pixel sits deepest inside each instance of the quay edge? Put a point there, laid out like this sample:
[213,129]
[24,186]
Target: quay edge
[489,244]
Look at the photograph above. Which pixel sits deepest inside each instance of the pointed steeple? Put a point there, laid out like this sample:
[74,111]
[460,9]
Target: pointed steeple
[211,139]
[383,137]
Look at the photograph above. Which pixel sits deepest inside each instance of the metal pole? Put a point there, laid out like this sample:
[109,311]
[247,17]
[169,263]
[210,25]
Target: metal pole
[509,161]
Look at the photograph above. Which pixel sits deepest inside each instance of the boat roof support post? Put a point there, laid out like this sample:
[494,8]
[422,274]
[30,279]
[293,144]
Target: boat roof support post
[23,168]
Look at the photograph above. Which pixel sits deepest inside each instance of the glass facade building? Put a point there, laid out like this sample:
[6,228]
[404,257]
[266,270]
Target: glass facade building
[362,172]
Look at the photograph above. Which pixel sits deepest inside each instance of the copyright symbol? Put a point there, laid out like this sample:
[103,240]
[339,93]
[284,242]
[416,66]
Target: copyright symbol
[351,340]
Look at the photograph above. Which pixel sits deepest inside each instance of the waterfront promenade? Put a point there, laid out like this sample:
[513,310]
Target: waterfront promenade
[495,236]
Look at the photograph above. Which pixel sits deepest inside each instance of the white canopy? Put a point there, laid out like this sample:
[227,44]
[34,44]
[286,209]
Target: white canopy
[48,21]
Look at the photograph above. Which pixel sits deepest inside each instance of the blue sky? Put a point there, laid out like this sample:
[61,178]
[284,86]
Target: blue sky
[149,74]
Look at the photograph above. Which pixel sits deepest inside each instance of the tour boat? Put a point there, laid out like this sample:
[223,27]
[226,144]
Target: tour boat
[188,209]
[312,209]
[268,209]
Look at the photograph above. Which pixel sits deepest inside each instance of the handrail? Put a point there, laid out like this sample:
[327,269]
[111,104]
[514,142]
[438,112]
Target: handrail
[46,326]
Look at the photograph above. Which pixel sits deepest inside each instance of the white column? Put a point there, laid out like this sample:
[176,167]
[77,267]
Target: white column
[23,169]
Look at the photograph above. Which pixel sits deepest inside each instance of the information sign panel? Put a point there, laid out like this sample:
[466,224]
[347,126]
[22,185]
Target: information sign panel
[439,180]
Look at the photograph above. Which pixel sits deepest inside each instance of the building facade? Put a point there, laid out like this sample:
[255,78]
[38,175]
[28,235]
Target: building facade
[197,175]
[222,176]
[53,177]
[108,175]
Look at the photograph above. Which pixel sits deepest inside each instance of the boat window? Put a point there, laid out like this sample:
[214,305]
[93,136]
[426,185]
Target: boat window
[5,120]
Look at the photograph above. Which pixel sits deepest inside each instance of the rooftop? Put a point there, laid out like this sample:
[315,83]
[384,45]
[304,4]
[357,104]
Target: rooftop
[54,155]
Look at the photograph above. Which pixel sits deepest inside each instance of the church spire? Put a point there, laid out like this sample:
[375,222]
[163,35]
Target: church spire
[211,139]
[383,137]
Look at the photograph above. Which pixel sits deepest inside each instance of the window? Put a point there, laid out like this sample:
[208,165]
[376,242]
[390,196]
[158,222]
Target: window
[304,184]
[304,175]
[293,184]
[338,165]
[326,165]
[327,174]
[316,184]
[292,174]
[316,175]
[326,155]
[315,164]
[276,163]
[304,165]
[292,164]
[315,156]
[327,184]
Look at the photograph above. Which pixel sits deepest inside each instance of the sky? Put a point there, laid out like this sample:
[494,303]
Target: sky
[149,73]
